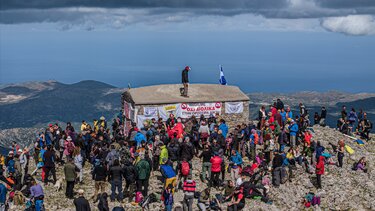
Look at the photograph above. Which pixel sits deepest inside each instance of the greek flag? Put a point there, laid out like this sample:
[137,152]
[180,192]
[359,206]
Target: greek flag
[222,78]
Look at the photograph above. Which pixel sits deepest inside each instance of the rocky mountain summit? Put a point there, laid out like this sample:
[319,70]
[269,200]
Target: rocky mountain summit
[343,188]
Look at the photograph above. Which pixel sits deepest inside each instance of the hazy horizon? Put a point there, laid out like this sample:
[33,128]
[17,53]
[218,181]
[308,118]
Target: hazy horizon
[264,46]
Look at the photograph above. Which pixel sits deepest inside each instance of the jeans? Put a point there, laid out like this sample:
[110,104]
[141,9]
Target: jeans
[340,157]
[142,184]
[206,167]
[168,207]
[236,207]
[69,189]
[99,185]
[48,170]
[319,180]
[234,173]
[186,88]
[38,205]
[214,181]
[116,185]
[188,202]
[293,141]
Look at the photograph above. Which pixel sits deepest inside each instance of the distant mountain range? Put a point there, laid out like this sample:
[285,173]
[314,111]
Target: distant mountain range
[34,104]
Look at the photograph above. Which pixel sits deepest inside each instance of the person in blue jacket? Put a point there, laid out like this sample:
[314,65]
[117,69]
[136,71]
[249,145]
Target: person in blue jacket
[223,127]
[236,161]
[139,137]
[293,130]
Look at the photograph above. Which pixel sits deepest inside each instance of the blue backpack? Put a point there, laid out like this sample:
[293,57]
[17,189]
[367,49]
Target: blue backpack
[11,166]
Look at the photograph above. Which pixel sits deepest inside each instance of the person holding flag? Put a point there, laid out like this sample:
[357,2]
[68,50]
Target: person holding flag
[222,78]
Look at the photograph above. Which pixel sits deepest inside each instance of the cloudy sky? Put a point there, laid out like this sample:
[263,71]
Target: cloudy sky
[263,45]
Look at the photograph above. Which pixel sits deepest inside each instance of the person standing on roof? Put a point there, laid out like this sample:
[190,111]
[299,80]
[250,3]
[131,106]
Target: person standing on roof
[185,80]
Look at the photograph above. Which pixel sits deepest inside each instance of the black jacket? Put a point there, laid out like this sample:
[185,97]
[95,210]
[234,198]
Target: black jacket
[82,204]
[173,151]
[277,161]
[99,173]
[187,151]
[185,76]
[130,172]
[49,158]
[115,173]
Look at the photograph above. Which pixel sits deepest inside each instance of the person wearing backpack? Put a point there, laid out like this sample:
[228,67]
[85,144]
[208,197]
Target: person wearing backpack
[216,161]
[130,175]
[69,147]
[115,177]
[206,163]
[169,175]
[49,164]
[319,171]
[70,176]
[78,162]
[189,188]
[112,156]
[99,175]
[184,172]
[143,172]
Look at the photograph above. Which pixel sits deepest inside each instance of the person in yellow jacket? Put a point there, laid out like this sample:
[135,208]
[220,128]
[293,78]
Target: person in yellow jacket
[84,125]
[96,125]
[163,154]
[2,160]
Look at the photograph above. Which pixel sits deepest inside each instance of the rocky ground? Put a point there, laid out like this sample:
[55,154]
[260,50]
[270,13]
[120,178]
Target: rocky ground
[343,189]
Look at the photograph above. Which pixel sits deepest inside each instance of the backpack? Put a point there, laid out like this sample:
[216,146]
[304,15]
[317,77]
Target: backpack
[70,147]
[11,166]
[112,157]
[189,186]
[185,168]
[248,170]
[315,200]
[283,175]
[256,138]
[355,166]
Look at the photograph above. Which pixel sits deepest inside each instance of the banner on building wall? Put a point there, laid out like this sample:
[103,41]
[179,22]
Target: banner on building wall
[233,107]
[150,111]
[186,110]
[166,110]
[142,118]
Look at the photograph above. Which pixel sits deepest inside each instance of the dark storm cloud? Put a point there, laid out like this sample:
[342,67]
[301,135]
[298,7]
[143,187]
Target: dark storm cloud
[223,4]
[337,4]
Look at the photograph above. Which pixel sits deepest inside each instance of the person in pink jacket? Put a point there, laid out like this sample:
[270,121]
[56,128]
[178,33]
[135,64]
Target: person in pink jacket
[69,147]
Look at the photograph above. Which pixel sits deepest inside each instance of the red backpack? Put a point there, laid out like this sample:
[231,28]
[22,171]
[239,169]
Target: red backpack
[189,186]
[185,168]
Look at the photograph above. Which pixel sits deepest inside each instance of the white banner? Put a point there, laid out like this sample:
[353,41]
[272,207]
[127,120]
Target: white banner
[186,110]
[150,111]
[233,107]
[166,110]
[141,119]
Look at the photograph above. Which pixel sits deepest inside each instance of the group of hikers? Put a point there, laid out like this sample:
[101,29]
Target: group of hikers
[236,163]
[354,123]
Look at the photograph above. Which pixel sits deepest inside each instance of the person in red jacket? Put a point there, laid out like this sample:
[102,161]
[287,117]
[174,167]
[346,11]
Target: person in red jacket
[319,171]
[216,161]
[308,137]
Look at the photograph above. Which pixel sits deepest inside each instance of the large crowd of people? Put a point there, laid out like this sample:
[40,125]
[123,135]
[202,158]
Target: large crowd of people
[236,163]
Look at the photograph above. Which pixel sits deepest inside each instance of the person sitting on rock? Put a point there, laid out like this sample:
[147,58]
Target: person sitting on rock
[204,199]
[360,165]
[238,200]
